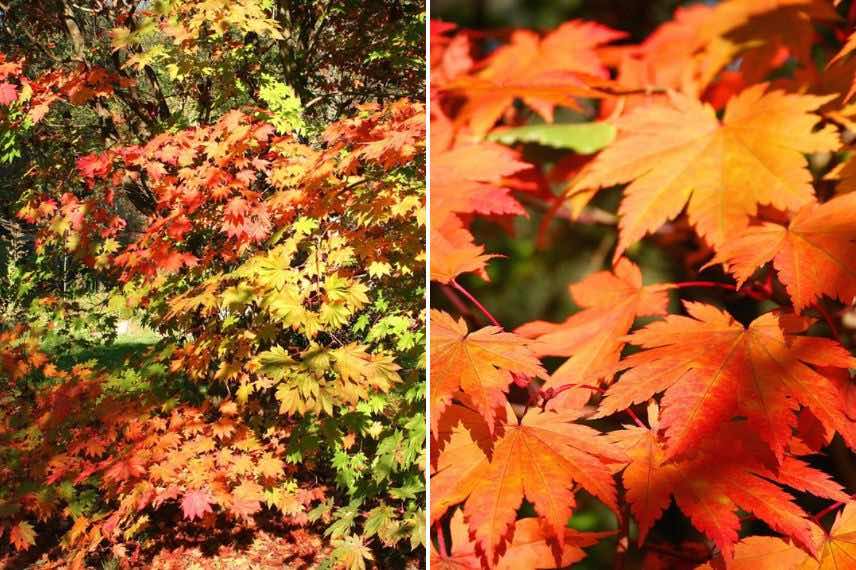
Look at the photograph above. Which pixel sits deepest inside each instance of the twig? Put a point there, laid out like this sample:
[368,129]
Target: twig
[711,284]
[828,318]
[457,286]
[558,201]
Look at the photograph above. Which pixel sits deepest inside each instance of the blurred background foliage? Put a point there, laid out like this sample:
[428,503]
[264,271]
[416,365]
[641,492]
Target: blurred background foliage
[636,17]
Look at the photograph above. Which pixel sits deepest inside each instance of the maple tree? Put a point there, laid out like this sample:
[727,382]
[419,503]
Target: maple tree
[643,291]
[245,181]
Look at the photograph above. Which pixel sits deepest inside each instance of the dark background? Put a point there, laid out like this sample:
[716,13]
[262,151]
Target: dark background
[636,17]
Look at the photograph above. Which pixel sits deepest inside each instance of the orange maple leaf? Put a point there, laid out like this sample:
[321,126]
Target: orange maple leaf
[223,428]
[454,252]
[270,466]
[713,368]
[246,499]
[462,555]
[594,337]
[544,72]
[125,468]
[687,52]
[467,179]
[684,54]
[530,547]
[726,472]
[836,549]
[462,438]
[814,255]
[678,153]
[539,459]
[481,364]
[22,536]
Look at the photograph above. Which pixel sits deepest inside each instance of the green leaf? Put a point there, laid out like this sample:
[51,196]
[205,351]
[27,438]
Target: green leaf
[583,138]
[417,523]
[276,362]
[351,553]
[378,520]
[286,111]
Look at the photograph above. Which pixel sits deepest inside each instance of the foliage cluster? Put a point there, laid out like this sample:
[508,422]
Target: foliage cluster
[710,408]
[198,166]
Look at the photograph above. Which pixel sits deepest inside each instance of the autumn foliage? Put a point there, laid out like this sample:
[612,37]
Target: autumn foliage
[279,257]
[720,144]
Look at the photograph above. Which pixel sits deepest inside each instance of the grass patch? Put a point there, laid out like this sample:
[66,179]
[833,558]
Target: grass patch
[113,355]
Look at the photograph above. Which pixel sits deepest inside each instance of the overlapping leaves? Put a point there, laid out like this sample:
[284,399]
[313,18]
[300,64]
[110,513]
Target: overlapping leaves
[715,158]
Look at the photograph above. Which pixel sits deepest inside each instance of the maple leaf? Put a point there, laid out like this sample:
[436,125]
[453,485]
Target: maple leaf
[848,48]
[684,53]
[463,553]
[481,364]
[93,446]
[764,553]
[196,503]
[246,499]
[94,165]
[8,93]
[228,408]
[467,179]
[223,428]
[543,72]
[22,536]
[128,468]
[725,473]
[594,337]
[814,255]
[270,466]
[178,227]
[462,438]
[241,465]
[678,153]
[450,56]
[688,52]
[712,368]
[453,253]
[529,548]
[836,549]
[787,27]
[539,459]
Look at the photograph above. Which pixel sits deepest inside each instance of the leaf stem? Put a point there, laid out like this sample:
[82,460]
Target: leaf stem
[441,542]
[550,393]
[457,286]
[456,300]
[633,415]
[520,379]
[711,284]
[816,518]
[544,226]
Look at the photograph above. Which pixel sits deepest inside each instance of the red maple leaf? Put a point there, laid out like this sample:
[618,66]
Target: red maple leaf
[8,93]
[196,503]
